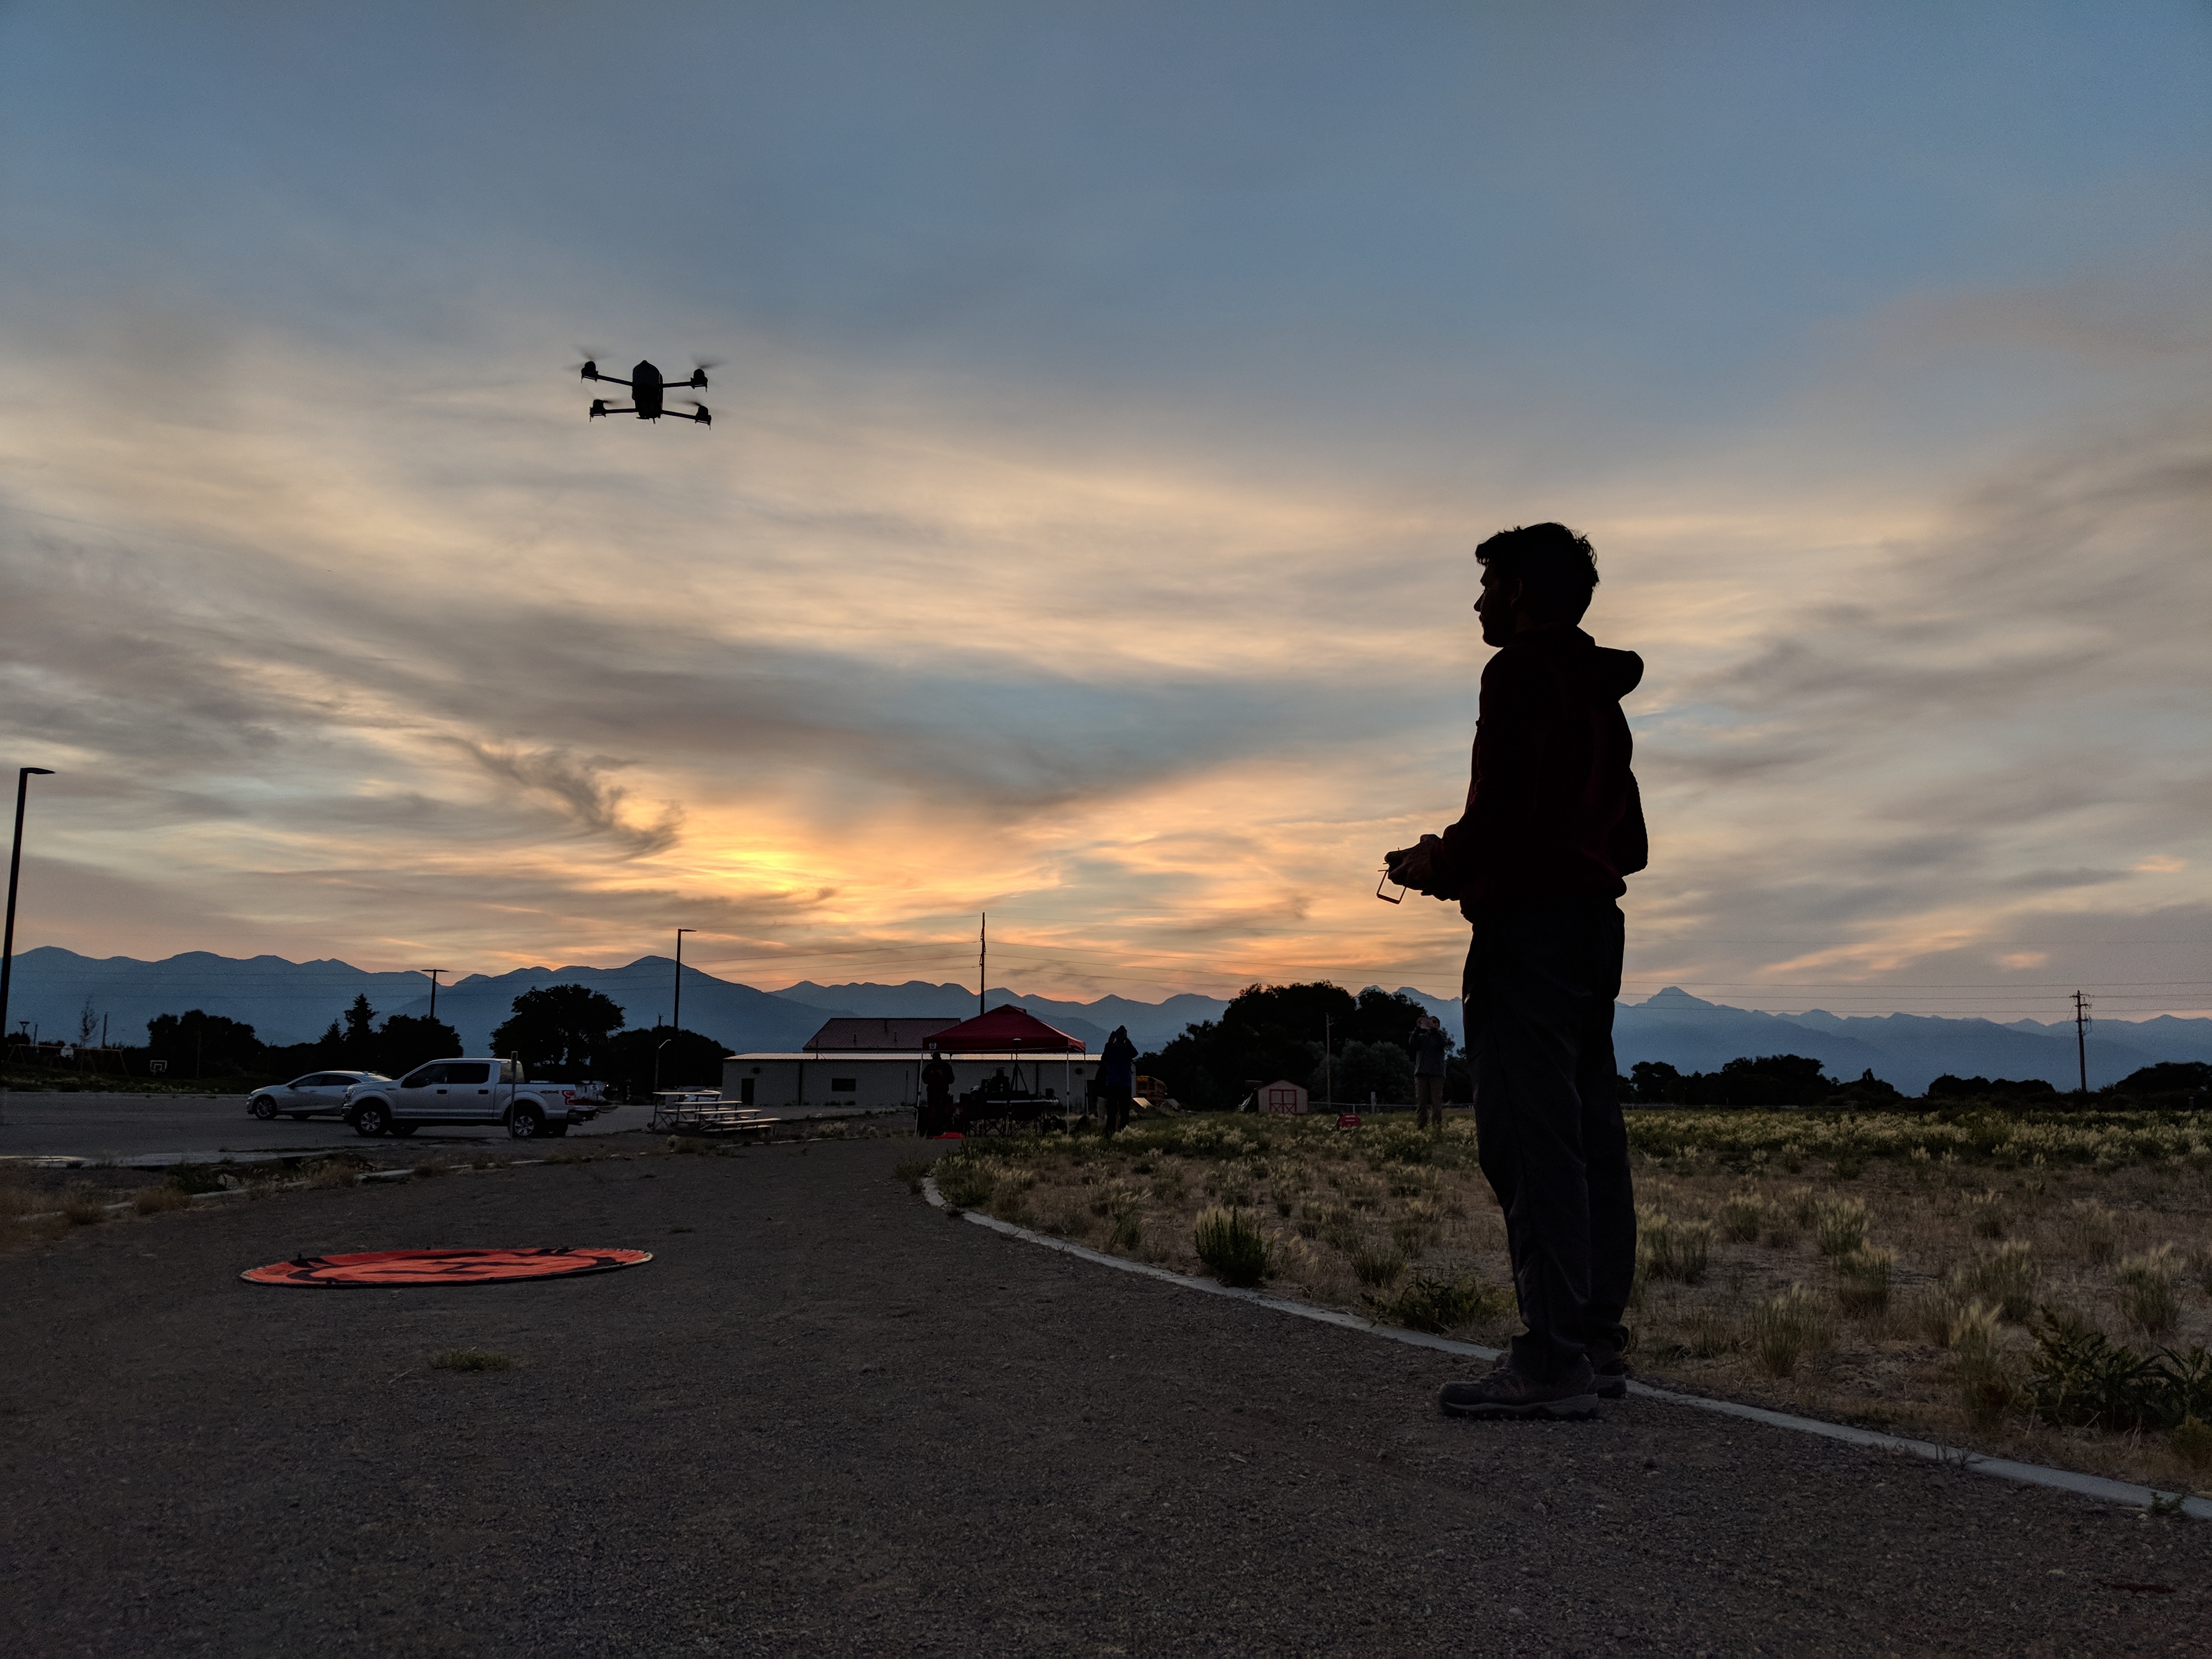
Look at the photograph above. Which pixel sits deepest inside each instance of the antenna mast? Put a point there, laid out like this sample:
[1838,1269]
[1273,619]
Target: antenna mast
[983,965]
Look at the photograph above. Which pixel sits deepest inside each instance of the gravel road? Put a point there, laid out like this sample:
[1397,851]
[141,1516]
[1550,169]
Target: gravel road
[827,1419]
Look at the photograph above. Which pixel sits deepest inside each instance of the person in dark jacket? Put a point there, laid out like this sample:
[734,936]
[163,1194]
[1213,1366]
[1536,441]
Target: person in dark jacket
[1117,1078]
[937,1079]
[1553,823]
[1430,1049]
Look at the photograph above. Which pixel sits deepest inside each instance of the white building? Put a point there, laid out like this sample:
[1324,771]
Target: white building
[836,1074]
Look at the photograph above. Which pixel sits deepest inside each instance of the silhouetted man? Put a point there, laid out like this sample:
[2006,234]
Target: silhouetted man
[1430,1049]
[936,1116]
[1553,824]
[1117,1079]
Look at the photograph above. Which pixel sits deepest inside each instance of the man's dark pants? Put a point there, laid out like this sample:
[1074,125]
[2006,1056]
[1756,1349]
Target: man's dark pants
[1539,991]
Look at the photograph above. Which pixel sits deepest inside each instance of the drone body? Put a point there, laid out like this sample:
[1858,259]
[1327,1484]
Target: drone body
[647,394]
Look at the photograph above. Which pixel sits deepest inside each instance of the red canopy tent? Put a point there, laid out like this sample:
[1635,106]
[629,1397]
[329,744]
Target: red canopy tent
[1006,1030]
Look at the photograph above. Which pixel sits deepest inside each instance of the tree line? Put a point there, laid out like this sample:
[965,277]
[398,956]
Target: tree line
[1270,1032]
[560,1032]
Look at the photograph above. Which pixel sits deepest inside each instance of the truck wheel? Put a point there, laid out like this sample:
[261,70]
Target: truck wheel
[526,1123]
[263,1108]
[372,1119]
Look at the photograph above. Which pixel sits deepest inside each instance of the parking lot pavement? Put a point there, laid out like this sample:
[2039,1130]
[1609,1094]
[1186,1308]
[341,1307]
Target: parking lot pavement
[105,1127]
[825,1419]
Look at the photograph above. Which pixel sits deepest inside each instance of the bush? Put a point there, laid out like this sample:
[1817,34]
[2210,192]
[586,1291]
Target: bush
[1784,1328]
[2091,1230]
[2147,1296]
[1439,1305]
[1377,1265]
[1985,1389]
[1986,1216]
[1231,1245]
[912,1170]
[2082,1380]
[152,1200]
[1839,1224]
[2006,1277]
[965,1183]
[1743,1218]
[1667,1248]
[84,1205]
[1862,1279]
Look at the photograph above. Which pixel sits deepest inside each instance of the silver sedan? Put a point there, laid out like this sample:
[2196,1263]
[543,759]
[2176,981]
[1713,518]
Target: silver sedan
[318,1094]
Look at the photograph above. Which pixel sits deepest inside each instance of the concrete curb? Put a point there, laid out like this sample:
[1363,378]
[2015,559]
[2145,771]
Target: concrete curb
[2004,1468]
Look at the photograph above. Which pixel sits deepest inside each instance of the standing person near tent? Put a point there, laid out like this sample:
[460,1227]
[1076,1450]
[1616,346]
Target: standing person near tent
[1431,1048]
[1117,1078]
[1553,824]
[936,1115]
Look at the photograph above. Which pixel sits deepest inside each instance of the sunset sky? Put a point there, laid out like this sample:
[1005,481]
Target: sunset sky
[1111,396]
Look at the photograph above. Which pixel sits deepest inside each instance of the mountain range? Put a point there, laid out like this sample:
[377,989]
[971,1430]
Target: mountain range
[290,1001]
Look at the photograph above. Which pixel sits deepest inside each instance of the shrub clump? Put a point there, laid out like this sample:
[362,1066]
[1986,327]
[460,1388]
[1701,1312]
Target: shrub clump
[1862,1279]
[1984,1389]
[1784,1327]
[1839,1224]
[2005,1277]
[1667,1248]
[1439,1305]
[1231,1245]
[1743,1218]
[2082,1379]
[1376,1264]
[2148,1295]
[966,1183]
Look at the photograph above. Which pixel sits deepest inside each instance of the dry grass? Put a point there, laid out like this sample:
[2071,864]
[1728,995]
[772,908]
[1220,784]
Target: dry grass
[1772,1269]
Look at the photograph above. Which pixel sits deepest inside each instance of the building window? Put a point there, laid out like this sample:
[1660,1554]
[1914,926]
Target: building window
[844,1085]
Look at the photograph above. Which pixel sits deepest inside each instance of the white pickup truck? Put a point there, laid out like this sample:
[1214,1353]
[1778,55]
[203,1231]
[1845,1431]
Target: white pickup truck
[471,1091]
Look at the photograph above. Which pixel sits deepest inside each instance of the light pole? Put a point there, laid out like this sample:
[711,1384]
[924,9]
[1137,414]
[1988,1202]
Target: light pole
[677,1019]
[434,973]
[23,777]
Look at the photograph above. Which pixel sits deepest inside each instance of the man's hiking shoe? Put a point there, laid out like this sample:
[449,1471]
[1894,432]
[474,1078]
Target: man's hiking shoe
[1610,1370]
[1505,1393]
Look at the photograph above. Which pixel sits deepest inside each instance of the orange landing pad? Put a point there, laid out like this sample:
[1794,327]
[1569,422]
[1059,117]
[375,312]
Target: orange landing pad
[377,1269]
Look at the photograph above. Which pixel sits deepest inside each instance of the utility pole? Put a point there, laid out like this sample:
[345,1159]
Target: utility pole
[1327,1060]
[434,973]
[23,777]
[2081,1006]
[983,966]
[677,1019]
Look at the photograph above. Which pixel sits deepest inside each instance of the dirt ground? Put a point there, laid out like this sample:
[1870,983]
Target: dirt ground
[827,1419]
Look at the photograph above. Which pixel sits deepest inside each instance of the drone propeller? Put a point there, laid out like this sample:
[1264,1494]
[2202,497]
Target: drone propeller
[590,366]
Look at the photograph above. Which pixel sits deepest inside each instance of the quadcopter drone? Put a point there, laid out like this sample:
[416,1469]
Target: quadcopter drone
[645,390]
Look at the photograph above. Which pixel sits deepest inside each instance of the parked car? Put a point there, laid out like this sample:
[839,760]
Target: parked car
[318,1094]
[476,1092]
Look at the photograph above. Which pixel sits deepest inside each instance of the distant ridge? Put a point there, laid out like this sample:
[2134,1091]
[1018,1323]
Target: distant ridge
[290,1001]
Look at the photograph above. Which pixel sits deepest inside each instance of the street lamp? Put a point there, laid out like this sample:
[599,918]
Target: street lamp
[23,777]
[434,973]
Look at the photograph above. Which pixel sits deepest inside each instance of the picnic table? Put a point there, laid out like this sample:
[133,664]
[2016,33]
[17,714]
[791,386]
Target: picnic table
[981,1113]
[703,1111]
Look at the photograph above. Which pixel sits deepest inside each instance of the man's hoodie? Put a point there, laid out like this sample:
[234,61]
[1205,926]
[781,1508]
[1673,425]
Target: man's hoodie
[1553,808]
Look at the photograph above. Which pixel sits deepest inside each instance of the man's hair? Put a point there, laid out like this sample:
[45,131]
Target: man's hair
[1556,567]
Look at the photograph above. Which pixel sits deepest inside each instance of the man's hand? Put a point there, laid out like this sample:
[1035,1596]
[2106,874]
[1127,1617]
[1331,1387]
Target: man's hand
[1414,867]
